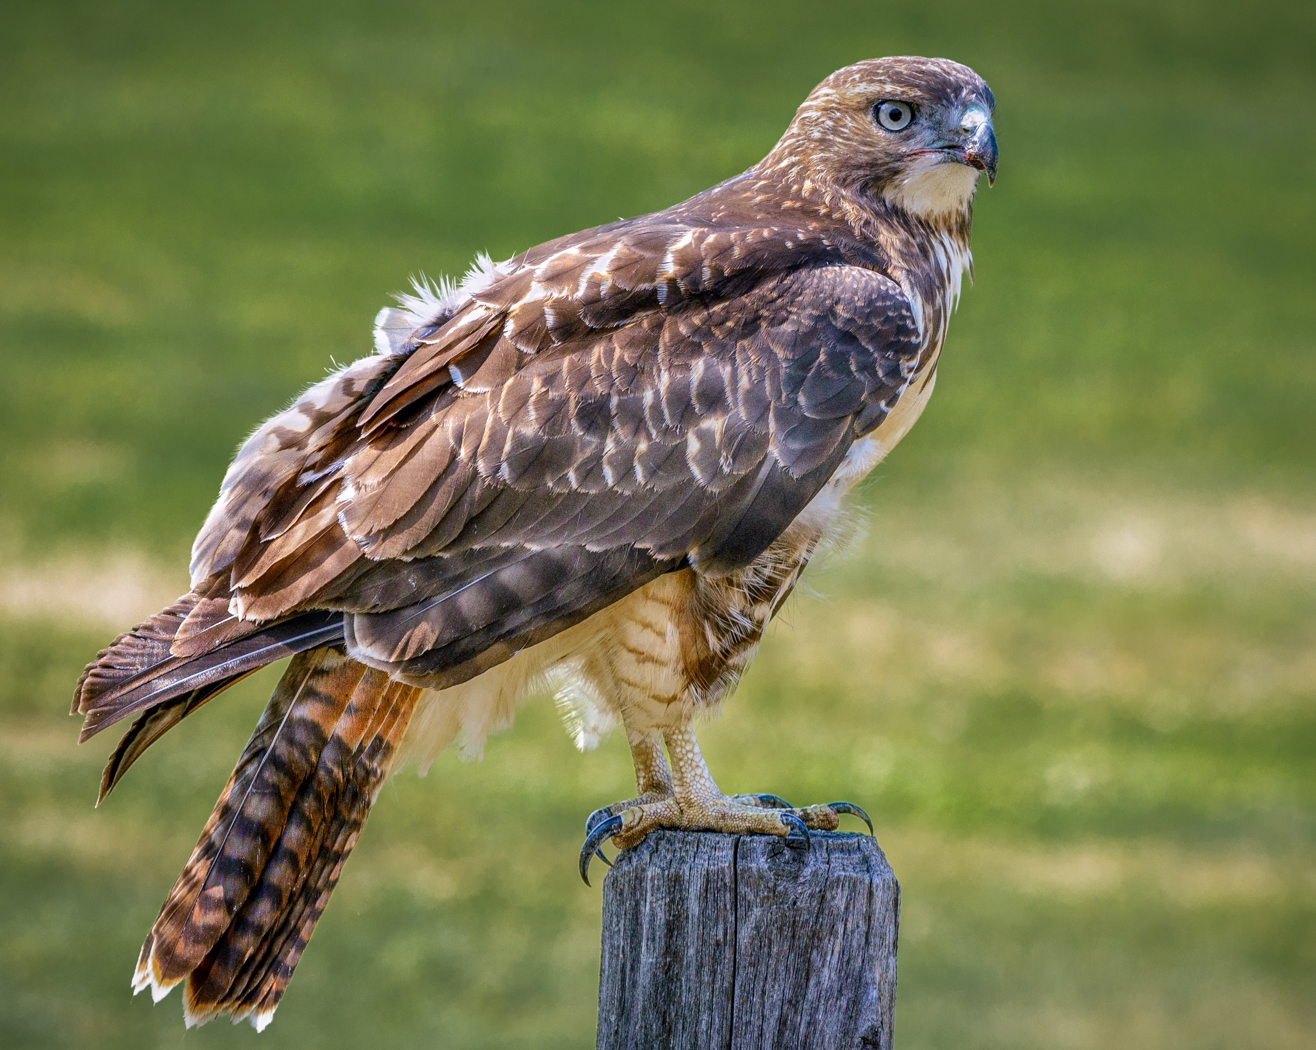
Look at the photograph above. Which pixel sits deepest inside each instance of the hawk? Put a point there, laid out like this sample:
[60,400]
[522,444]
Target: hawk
[598,467]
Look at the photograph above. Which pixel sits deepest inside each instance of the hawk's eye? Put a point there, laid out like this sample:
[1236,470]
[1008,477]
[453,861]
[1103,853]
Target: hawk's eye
[894,116]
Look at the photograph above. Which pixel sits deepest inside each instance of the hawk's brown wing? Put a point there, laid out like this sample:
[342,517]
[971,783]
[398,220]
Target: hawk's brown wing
[515,472]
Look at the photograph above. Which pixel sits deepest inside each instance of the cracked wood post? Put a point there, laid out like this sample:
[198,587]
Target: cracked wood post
[740,942]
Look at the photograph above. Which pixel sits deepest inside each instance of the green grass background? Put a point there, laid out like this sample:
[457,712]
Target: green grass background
[1071,671]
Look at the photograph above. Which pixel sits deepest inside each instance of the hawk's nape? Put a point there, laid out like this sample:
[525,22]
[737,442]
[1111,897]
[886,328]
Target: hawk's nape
[599,466]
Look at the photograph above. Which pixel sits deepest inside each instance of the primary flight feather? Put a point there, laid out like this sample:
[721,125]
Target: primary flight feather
[599,466]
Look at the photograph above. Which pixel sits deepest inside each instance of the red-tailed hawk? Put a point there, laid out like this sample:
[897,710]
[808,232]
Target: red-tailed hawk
[599,466]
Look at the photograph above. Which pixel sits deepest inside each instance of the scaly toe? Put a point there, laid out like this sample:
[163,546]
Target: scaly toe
[604,812]
[638,821]
[627,823]
[763,801]
[728,815]
[818,818]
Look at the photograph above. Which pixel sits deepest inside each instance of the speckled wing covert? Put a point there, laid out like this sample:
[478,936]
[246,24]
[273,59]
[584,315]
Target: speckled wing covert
[595,414]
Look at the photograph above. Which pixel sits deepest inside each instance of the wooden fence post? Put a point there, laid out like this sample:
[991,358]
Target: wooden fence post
[740,942]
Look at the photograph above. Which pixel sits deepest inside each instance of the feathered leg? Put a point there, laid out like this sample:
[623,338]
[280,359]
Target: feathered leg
[236,922]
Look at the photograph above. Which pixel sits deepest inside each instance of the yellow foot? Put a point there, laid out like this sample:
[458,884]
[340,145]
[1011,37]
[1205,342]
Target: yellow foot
[627,823]
[647,798]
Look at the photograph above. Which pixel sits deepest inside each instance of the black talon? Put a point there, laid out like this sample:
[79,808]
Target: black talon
[799,834]
[850,807]
[605,829]
[774,801]
[591,822]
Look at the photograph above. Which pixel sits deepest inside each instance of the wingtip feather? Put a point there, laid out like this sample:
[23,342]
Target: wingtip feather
[129,659]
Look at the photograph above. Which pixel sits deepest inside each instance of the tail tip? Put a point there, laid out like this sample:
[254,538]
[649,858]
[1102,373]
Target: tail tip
[195,1015]
[147,975]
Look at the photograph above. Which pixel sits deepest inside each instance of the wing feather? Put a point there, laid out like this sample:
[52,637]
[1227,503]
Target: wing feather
[682,428]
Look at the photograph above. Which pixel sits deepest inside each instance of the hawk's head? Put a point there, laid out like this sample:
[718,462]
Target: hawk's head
[913,132]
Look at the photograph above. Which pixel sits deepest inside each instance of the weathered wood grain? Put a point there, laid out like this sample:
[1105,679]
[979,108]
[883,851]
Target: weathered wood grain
[739,942]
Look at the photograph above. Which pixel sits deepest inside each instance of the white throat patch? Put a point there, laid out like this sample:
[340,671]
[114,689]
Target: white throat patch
[934,189]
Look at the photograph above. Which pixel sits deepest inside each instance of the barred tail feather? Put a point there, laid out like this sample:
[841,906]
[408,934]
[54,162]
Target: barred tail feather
[238,918]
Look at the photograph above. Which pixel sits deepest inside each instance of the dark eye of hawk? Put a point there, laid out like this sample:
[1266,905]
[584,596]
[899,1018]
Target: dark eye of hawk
[894,116]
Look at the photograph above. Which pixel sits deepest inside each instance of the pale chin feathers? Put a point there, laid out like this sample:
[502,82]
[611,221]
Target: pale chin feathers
[934,190]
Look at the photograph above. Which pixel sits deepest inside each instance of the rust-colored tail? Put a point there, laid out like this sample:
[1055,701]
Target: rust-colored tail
[236,922]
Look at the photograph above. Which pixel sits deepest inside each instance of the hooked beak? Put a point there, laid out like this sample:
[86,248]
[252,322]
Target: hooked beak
[979,151]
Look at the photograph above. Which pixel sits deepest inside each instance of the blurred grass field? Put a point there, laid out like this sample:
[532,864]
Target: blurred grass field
[1071,671]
